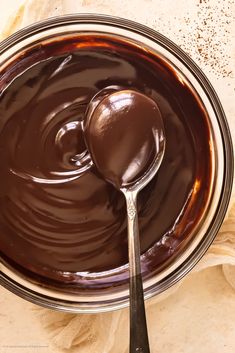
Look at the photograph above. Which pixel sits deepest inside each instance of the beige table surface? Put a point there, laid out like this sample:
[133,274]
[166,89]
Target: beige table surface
[202,311]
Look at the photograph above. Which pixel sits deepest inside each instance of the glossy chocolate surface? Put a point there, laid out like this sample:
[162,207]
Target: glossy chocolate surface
[122,147]
[63,223]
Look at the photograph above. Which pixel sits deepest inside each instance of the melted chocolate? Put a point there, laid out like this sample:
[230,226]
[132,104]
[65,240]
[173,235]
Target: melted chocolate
[121,146]
[62,222]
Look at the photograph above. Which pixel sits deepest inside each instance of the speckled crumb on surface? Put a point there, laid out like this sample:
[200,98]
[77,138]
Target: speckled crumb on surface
[205,31]
[212,36]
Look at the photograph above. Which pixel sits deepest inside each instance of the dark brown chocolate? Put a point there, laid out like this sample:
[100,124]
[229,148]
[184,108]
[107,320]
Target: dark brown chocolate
[64,225]
[122,147]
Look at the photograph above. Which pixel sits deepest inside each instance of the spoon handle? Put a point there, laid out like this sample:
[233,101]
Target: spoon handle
[139,342]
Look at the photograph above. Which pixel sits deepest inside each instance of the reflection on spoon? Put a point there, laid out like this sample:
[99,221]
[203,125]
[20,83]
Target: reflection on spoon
[124,134]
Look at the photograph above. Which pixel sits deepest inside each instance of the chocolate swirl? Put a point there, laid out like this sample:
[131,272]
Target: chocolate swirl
[58,218]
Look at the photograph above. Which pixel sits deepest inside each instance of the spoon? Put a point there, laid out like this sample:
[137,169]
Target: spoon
[124,134]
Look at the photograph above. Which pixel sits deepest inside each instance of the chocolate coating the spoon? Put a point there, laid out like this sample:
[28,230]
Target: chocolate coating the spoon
[130,124]
[138,147]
